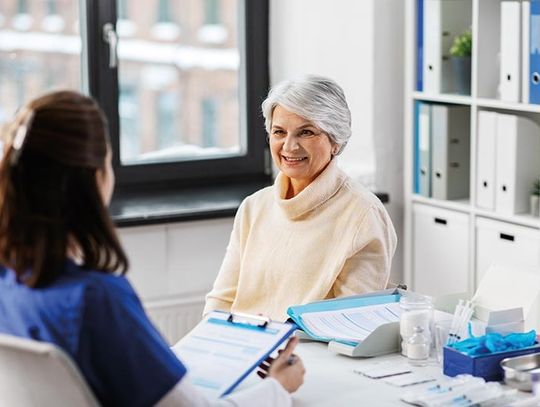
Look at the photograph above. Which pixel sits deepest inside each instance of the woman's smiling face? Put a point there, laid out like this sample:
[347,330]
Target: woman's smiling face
[299,149]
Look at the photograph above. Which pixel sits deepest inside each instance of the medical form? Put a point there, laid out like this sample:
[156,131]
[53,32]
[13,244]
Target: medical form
[351,324]
[221,351]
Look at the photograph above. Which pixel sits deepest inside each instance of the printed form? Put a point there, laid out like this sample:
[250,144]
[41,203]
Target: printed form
[351,324]
[219,354]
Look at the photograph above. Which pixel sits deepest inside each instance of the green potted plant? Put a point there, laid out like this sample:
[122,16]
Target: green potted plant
[460,54]
[535,198]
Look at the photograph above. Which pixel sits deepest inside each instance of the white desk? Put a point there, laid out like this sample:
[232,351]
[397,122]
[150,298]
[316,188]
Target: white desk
[331,382]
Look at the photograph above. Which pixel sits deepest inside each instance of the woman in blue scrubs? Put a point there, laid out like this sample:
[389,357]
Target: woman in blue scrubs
[62,265]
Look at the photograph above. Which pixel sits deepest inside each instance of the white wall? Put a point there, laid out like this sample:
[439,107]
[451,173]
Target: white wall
[360,45]
[335,39]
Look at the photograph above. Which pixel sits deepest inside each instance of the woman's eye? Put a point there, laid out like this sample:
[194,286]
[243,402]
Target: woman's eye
[278,132]
[306,133]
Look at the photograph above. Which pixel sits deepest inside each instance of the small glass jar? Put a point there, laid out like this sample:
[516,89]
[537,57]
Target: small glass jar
[418,346]
[417,310]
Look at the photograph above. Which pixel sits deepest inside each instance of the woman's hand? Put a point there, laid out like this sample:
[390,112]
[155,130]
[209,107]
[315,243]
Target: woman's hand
[287,368]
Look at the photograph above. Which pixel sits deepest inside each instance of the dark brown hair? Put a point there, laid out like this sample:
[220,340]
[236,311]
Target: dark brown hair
[49,195]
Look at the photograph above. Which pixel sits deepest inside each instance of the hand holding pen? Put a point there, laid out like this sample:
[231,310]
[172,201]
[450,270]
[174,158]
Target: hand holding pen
[288,369]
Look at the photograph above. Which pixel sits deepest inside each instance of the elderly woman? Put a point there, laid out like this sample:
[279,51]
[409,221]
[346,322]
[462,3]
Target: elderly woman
[314,234]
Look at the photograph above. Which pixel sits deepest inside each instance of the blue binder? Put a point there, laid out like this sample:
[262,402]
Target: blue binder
[419,44]
[384,339]
[416,142]
[534,55]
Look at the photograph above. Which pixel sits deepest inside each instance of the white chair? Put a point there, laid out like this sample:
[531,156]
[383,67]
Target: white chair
[40,374]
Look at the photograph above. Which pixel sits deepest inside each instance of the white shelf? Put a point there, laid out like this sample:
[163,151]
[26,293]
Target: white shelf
[462,205]
[446,98]
[519,219]
[498,104]
[485,77]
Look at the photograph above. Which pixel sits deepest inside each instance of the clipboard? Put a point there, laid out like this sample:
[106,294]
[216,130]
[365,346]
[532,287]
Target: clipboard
[382,340]
[224,348]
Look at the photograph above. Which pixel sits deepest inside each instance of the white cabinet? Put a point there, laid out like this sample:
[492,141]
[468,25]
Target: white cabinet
[441,250]
[502,242]
[175,260]
[444,258]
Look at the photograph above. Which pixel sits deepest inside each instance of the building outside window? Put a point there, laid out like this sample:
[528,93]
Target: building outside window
[152,70]
[209,122]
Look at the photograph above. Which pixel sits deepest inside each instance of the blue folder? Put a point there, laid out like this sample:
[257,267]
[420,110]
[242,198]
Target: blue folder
[419,44]
[379,297]
[534,56]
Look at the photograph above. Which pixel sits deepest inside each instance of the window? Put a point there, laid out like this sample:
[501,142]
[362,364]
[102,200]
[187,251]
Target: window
[180,110]
[169,133]
[209,123]
[33,58]
[51,7]
[211,9]
[164,11]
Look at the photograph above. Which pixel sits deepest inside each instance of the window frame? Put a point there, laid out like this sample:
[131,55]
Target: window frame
[103,85]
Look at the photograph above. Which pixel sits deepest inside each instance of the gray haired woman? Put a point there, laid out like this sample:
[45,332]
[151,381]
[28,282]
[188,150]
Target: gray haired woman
[314,234]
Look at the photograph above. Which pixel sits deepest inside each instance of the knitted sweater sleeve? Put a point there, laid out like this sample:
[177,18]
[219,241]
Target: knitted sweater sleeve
[223,293]
[368,267]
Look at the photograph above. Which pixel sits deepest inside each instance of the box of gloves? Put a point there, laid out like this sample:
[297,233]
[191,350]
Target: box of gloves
[481,356]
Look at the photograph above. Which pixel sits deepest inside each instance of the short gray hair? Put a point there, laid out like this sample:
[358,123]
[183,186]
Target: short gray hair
[317,99]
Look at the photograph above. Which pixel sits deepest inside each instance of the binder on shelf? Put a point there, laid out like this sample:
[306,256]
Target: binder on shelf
[450,133]
[419,43]
[518,165]
[224,348]
[442,21]
[534,54]
[416,149]
[510,72]
[525,47]
[424,149]
[367,337]
[485,157]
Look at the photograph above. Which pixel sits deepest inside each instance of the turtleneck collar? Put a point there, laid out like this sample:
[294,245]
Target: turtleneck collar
[319,191]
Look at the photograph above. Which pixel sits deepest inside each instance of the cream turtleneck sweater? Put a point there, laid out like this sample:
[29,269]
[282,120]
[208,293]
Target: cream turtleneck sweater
[332,239]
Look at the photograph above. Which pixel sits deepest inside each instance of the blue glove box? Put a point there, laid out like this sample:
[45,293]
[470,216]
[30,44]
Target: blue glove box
[486,366]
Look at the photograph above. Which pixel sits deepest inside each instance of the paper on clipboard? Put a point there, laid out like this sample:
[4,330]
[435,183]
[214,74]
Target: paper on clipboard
[220,353]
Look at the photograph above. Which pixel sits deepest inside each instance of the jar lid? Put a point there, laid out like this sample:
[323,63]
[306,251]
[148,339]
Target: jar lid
[416,301]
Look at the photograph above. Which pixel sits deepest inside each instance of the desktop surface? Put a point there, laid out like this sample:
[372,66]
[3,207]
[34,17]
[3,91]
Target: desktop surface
[330,379]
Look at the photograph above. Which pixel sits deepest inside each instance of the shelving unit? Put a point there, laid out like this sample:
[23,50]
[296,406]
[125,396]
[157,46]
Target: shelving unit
[437,260]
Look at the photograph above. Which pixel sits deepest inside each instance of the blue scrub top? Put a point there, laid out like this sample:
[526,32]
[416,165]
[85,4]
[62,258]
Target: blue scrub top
[99,321]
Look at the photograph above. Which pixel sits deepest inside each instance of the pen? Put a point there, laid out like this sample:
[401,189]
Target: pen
[292,360]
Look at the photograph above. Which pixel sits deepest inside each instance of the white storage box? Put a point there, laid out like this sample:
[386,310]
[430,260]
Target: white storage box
[441,251]
[502,242]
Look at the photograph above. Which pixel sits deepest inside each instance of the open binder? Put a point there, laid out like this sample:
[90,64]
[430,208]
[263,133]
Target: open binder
[382,339]
[224,348]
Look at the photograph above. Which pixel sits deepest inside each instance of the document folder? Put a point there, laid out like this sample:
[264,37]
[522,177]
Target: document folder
[518,148]
[424,149]
[442,21]
[450,163]
[224,348]
[377,338]
[485,158]
[510,72]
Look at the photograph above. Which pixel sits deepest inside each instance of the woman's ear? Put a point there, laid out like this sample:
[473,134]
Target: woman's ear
[105,180]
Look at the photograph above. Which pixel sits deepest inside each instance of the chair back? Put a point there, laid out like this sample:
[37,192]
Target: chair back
[40,374]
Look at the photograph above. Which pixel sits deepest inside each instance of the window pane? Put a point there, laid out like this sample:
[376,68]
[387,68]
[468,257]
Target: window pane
[40,50]
[180,64]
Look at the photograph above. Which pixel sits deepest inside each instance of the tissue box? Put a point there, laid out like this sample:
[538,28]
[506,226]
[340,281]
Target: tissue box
[486,366]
